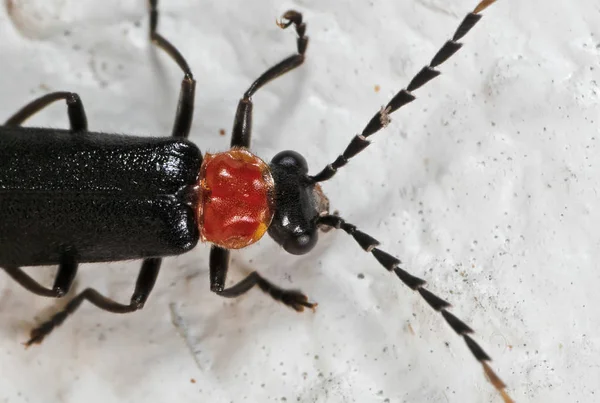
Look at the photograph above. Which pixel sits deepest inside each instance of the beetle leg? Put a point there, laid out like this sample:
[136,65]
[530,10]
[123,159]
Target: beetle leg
[242,124]
[77,118]
[67,270]
[185,106]
[219,263]
[145,282]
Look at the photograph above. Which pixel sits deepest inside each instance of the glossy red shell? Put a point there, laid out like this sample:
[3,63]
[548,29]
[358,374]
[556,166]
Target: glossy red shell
[236,198]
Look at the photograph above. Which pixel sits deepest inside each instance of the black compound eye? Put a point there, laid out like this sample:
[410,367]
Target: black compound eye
[290,159]
[301,243]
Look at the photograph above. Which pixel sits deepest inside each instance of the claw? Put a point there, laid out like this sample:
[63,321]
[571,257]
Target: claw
[281,24]
[292,17]
[34,338]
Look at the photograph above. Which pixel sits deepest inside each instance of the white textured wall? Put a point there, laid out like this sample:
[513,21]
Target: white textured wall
[487,186]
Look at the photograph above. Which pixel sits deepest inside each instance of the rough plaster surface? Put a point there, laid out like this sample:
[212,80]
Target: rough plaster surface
[486,186]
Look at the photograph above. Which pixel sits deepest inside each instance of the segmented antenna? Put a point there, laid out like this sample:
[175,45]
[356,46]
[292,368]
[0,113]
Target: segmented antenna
[405,96]
[369,244]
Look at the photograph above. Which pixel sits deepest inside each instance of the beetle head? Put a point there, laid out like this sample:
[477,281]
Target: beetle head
[299,201]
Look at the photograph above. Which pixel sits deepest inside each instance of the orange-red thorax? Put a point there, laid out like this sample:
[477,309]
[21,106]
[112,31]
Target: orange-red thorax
[236,198]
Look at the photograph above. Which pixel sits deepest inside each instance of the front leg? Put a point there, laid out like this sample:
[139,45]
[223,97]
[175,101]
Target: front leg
[219,263]
[242,124]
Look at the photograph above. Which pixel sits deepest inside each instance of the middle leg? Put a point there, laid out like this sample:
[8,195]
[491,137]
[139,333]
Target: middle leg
[185,106]
[219,264]
[242,124]
[144,284]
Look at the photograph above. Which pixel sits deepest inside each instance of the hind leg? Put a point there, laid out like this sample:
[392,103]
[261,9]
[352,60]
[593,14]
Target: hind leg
[77,117]
[67,269]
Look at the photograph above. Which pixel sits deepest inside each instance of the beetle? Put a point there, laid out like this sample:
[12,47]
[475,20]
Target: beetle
[73,196]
